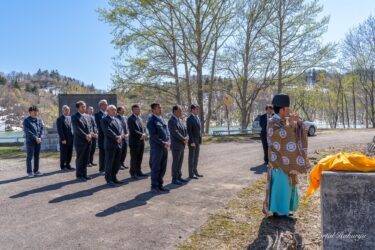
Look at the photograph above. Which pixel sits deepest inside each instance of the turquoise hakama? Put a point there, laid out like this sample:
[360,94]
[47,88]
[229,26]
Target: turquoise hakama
[283,196]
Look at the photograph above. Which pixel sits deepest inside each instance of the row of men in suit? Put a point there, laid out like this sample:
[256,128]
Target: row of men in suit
[112,150]
[66,133]
[174,135]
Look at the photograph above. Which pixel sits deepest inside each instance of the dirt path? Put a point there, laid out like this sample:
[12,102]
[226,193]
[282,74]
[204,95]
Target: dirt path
[56,212]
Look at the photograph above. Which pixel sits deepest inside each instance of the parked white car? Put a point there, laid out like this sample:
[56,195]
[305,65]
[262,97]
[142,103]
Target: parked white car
[311,126]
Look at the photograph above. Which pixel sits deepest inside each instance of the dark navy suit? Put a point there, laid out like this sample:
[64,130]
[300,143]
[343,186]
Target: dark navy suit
[98,117]
[81,128]
[112,128]
[64,129]
[159,134]
[33,128]
[195,136]
[124,149]
[178,133]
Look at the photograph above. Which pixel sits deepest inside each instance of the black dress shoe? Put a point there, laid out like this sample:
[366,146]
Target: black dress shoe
[164,190]
[155,190]
[198,175]
[93,164]
[87,177]
[183,180]
[118,182]
[142,175]
[177,182]
[70,168]
[134,177]
[81,179]
[193,177]
[111,184]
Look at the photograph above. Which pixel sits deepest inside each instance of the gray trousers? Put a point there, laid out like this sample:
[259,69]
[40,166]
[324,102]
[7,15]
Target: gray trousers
[178,158]
[193,160]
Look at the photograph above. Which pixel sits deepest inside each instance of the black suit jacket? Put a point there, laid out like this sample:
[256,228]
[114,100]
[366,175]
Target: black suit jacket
[178,133]
[263,124]
[194,130]
[81,128]
[98,117]
[64,128]
[136,130]
[111,129]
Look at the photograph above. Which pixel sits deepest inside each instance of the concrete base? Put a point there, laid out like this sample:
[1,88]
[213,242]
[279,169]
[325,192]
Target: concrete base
[348,207]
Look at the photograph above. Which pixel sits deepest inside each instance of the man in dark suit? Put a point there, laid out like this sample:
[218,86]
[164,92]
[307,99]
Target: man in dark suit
[64,129]
[179,139]
[98,116]
[159,143]
[137,136]
[82,140]
[195,140]
[124,123]
[94,135]
[113,134]
[263,122]
[33,127]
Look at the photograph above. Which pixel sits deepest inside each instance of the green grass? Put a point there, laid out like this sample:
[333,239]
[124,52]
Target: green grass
[11,152]
[14,152]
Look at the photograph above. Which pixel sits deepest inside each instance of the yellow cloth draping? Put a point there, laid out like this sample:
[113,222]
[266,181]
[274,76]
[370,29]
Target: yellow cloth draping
[353,162]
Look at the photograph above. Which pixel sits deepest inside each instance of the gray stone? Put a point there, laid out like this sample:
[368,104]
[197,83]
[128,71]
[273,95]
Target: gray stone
[89,99]
[348,204]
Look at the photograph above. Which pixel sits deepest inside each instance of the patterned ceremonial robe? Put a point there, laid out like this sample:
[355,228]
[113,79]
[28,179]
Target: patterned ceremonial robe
[287,152]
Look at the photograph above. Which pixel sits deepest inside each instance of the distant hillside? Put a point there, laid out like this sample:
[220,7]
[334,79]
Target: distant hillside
[20,90]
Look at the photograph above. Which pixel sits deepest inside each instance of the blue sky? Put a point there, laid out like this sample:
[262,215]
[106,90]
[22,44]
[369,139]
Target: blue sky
[67,35]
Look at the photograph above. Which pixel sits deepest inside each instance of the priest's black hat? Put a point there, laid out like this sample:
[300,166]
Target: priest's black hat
[281,100]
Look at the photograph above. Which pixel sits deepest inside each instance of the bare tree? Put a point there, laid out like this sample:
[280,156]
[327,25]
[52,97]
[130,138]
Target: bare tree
[249,61]
[295,35]
[198,19]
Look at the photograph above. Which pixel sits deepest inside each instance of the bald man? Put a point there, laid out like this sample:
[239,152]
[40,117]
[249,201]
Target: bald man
[113,135]
[64,129]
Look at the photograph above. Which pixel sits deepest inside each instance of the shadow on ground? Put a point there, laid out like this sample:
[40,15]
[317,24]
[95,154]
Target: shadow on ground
[50,187]
[259,169]
[137,201]
[85,193]
[277,233]
[27,178]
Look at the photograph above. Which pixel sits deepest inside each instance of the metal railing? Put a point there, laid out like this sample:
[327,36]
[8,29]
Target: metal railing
[232,132]
[18,139]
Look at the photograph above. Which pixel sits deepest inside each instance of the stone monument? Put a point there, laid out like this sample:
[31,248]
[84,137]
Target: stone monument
[347,204]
